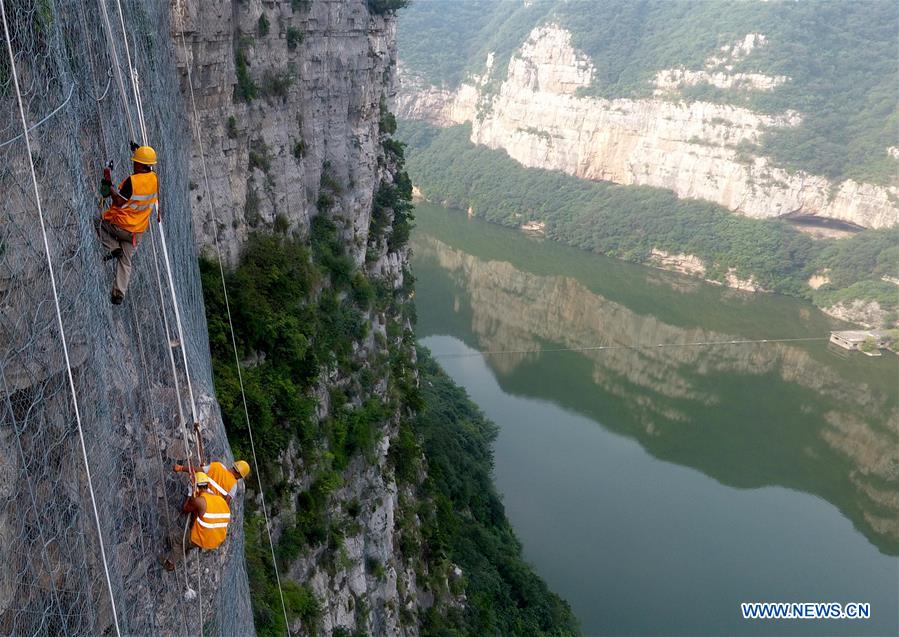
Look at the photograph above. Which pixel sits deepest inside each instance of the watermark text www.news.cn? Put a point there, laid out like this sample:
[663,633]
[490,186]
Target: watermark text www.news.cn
[805,610]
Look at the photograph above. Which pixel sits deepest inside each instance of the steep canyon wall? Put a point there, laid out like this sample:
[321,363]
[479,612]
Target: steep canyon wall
[289,98]
[130,380]
[539,114]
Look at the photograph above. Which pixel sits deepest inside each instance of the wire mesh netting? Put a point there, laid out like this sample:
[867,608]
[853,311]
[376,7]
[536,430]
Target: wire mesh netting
[130,398]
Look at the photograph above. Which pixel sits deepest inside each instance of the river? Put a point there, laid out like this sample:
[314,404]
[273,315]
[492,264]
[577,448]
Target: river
[657,488]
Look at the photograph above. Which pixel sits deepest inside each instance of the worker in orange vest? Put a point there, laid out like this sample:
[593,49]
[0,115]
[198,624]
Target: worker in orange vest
[223,480]
[210,515]
[129,215]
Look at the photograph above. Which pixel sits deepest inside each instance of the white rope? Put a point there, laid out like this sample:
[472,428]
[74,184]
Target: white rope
[153,428]
[208,198]
[165,253]
[168,333]
[62,333]
[143,130]
[597,348]
[108,84]
[171,282]
[115,64]
[165,322]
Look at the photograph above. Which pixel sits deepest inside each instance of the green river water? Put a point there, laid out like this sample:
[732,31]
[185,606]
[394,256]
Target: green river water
[657,488]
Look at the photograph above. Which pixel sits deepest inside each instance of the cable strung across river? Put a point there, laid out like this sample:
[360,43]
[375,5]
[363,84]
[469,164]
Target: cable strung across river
[595,348]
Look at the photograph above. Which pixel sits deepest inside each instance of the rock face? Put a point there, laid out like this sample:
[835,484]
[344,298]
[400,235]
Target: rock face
[718,71]
[867,313]
[318,76]
[140,377]
[699,149]
[319,71]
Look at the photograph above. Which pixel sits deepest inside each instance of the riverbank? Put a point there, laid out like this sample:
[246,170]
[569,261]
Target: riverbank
[642,224]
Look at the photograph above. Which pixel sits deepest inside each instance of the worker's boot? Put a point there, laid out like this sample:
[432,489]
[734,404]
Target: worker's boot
[116,297]
[115,254]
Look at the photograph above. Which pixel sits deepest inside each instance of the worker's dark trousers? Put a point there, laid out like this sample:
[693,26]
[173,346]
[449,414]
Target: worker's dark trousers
[113,238]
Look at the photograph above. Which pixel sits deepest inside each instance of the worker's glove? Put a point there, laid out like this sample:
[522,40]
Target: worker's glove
[134,146]
[106,183]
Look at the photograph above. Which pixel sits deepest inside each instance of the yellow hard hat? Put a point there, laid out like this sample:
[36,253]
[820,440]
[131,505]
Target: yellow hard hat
[243,468]
[201,478]
[144,155]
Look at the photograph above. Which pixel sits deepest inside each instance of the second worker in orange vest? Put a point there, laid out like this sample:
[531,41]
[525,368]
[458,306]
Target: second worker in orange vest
[223,480]
[211,516]
[129,216]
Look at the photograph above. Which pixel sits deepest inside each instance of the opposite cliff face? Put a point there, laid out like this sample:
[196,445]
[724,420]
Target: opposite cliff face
[698,149]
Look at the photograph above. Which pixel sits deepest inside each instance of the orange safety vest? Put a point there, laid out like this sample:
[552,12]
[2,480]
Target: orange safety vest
[221,480]
[209,530]
[134,214]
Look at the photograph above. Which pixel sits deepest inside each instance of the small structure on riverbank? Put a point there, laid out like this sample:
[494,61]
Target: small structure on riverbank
[534,227]
[868,342]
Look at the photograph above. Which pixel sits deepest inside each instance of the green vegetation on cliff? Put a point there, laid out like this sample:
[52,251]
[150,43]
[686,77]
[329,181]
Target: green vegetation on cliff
[288,327]
[628,222]
[464,524]
[302,310]
[290,324]
[840,58]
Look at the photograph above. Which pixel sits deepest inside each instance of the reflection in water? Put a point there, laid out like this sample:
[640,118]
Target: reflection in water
[747,415]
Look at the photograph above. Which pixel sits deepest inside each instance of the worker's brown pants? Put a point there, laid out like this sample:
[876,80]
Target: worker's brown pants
[181,545]
[113,238]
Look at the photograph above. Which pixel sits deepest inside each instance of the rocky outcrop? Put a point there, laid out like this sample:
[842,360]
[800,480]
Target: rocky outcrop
[866,313]
[683,263]
[719,71]
[697,149]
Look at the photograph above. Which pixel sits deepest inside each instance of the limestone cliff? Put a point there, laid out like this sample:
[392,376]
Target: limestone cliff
[290,97]
[317,74]
[697,149]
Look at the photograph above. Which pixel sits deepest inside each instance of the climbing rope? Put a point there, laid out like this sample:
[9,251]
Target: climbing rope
[144,137]
[136,326]
[168,338]
[175,306]
[599,348]
[115,65]
[62,333]
[215,225]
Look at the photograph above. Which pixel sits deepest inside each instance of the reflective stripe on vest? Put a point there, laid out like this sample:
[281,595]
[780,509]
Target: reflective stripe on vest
[217,487]
[134,214]
[209,530]
[220,478]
